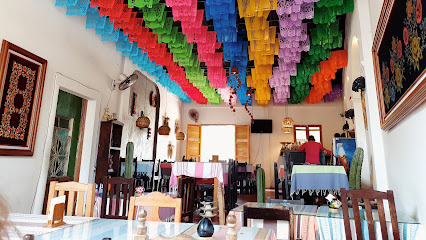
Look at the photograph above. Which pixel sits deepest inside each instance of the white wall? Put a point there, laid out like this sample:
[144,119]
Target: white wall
[170,105]
[397,153]
[71,50]
[265,148]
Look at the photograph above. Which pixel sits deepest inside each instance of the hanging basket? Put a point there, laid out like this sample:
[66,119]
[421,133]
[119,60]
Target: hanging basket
[180,136]
[165,129]
[143,121]
[287,125]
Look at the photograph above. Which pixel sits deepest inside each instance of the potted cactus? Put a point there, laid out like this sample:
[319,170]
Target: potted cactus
[260,182]
[129,160]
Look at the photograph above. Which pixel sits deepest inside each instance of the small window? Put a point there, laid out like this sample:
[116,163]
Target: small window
[302,132]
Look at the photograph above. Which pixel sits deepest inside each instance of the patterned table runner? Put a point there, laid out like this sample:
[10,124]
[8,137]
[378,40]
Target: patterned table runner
[318,179]
[331,225]
[197,170]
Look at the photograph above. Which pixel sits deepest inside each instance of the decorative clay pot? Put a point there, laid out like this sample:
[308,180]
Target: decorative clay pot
[205,228]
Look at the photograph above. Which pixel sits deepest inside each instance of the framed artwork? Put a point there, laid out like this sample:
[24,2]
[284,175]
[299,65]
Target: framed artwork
[21,89]
[400,59]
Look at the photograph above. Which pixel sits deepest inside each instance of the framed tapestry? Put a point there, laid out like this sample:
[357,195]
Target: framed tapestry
[400,59]
[21,88]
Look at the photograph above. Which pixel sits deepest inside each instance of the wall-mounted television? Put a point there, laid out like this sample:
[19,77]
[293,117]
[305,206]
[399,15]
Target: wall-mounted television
[261,126]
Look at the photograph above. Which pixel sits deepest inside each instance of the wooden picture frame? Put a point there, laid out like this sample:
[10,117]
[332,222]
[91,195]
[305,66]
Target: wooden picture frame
[399,66]
[22,77]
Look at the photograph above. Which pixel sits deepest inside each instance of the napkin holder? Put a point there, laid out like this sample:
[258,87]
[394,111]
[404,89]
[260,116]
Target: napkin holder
[57,216]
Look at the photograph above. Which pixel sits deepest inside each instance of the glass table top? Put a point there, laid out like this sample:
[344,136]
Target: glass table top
[324,211]
[114,229]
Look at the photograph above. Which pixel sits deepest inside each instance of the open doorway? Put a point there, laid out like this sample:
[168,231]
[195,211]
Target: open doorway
[67,138]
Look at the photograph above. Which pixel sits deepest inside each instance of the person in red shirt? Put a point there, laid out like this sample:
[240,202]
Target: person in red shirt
[312,150]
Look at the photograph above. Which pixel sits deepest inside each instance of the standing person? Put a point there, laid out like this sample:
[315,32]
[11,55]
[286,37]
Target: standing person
[312,150]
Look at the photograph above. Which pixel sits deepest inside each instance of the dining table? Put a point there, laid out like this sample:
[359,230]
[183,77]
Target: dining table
[319,179]
[304,219]
[22,224]
[213,170]
[331,225]
[99,229]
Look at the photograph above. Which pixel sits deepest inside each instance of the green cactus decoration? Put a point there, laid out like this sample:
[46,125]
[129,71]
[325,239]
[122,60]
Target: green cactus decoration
[260,182]
[355,169]
[129,160]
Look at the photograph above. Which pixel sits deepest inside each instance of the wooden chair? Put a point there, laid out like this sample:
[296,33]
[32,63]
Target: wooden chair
[72,189]
[118,185]
[277,181]
[243,178]
[155,200]
[285,201]
[166,172]
[231,189]
[270,214]
[46,192]
[367,196]
[186,191]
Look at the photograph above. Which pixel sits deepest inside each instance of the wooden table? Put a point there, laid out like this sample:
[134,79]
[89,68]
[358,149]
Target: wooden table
[304,219]
[203,170]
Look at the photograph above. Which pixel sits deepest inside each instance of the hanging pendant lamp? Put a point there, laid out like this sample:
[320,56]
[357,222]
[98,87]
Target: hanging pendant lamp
[287,124]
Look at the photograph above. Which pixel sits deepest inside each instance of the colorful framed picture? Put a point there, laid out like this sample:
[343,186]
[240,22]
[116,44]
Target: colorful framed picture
[399,56]
[21,89]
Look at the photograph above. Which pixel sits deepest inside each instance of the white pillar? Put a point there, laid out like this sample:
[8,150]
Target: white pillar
[361,138]
[375,133]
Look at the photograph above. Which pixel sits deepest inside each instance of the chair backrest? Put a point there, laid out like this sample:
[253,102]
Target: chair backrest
[46,192]
[285,201]
[155,200]
[242,170]
[166,169]
[367,196]
[322,158]
[231,189]
[270,214]
[186,191]
[118,185]
[122,166]
[72,189]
